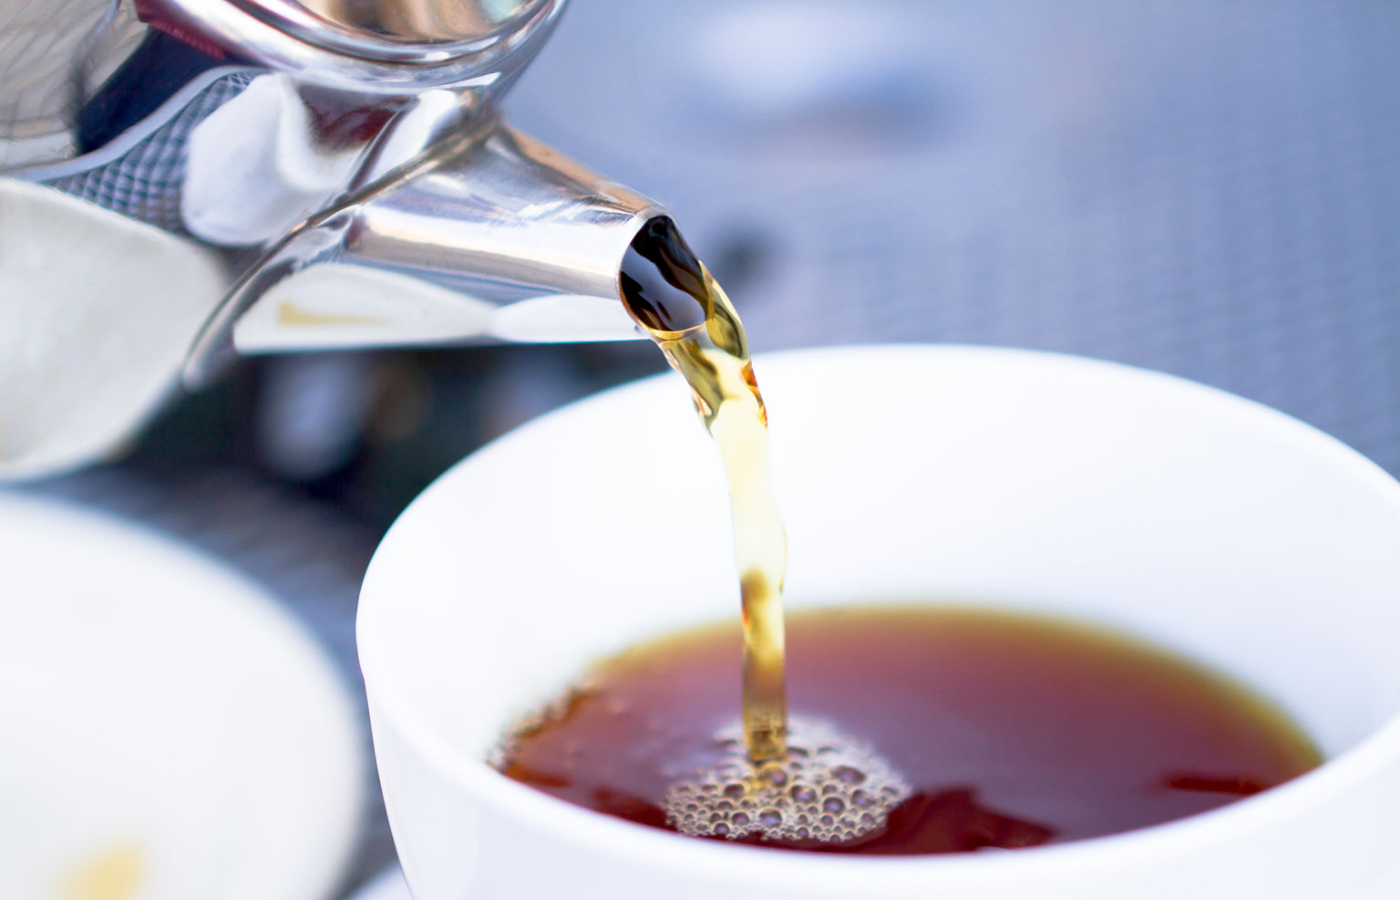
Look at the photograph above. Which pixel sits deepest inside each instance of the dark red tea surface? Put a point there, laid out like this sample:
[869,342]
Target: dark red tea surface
[1012,730]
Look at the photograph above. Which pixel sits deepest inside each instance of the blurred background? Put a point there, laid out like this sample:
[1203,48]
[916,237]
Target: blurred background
[1206,187]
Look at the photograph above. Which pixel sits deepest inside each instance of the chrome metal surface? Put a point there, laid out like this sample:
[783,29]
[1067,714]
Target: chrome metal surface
[342,158]
[493,238]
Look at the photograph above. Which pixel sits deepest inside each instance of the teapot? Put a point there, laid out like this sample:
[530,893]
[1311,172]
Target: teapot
[185,181]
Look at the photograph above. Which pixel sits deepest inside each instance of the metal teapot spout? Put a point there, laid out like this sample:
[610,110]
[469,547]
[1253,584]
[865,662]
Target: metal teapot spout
[490,237]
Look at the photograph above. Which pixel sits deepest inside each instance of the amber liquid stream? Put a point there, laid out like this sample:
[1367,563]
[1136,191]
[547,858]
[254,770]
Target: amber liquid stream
[688,315]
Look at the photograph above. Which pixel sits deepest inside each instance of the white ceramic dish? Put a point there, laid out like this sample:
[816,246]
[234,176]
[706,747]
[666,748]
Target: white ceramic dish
[1177,512]
[168,732]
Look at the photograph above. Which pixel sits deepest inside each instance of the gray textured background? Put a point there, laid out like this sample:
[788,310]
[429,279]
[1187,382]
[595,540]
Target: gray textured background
[1206,187]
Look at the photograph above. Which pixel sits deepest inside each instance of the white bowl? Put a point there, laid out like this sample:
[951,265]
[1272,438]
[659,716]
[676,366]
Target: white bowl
[1196,519]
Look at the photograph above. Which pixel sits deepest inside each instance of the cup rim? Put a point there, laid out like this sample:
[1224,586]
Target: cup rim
[623,840]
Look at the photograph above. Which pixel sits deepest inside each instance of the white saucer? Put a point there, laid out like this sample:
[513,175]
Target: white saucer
[168,732]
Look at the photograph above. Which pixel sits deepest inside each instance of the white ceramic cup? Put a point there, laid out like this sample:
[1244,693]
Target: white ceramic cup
[1173,511]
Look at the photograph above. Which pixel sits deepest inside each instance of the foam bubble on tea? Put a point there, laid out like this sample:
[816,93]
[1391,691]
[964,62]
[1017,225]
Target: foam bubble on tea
[829,787]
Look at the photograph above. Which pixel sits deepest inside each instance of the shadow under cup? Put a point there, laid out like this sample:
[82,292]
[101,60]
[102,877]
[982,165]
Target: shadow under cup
[1175,512]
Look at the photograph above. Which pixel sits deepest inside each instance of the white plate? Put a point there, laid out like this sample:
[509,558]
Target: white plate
[166,731]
